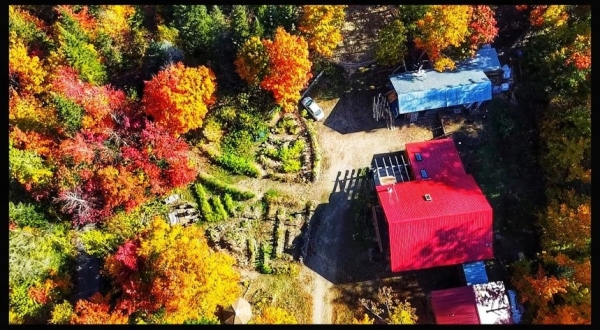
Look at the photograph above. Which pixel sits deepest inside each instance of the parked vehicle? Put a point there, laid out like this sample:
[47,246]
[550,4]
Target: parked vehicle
[313,108]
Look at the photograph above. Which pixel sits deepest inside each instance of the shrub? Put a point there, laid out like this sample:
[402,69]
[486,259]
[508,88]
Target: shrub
[218,208]
[61,314]
[238,165]
[99,243]
[252,251]
[288,269]
[288,125]
[227,114]
[26,215]
[265,252]
[224,188]
[238,142]
[229,204]
[205,208]
[212,130]
[316,152]
[290,156]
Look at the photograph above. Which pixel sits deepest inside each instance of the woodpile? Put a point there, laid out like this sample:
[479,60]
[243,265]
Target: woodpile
[381,110]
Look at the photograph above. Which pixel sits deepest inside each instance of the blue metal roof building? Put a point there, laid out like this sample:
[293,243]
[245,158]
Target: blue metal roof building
[432,90]
[485,60]
[475,273]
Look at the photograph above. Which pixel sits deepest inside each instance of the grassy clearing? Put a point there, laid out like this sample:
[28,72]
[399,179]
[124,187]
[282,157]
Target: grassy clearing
[287,292]
[223,174]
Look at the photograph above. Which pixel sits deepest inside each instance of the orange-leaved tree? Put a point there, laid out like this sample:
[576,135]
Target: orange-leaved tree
[172,269]
[178,97]
[322,24]
[289,68]
[443,26]
[482,28]
[97,310]
[274,315]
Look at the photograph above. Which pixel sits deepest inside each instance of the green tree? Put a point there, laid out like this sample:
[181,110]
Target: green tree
[69,113]
[273,16]
[391,44]
[200,31]
[239,25]
[79,53]
[409,15]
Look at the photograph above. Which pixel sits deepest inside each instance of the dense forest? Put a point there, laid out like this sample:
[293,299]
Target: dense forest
[113,108]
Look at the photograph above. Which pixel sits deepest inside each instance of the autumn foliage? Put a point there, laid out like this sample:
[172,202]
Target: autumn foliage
[178,97]
[252,61]
[322,24]
[289,68]
[364,320]
[483,29]
[25,72]
[443,26]
[274,315]
[556,285]
[97,310]
[173,269]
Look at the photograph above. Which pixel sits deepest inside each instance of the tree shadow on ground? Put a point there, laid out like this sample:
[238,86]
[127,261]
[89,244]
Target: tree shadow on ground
[413,287]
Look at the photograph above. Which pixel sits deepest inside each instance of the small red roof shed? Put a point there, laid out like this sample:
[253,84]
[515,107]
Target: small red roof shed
[455,306]
[442,221]
[485,303]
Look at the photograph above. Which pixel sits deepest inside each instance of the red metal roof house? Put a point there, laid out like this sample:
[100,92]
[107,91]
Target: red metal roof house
[439,219]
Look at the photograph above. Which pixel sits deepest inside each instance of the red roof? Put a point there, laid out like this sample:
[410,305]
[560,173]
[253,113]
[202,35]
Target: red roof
[405,201]
[455,306]
[438,157]
[454,226]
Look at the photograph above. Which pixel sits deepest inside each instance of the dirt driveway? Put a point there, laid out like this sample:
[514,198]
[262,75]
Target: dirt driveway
[348,138]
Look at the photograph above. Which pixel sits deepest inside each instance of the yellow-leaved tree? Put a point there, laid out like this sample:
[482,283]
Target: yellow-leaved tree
[443,26]
[114,21]
[25,73]
[171,275]
[321,24]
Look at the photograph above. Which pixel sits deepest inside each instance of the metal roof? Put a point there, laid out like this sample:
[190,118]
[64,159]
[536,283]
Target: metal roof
[492,303]
[455,306]
[475,273]
[486,60]
[515,307]
[485,303]
[405,201]
[432,90]
[442,220]
[438,157]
